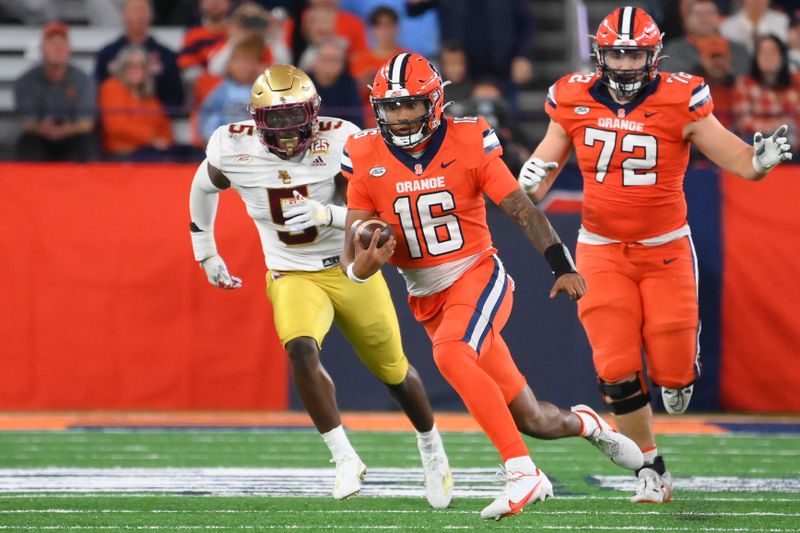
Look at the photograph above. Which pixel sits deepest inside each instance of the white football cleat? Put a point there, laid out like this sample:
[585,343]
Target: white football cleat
[521,490]
[676,401]
[652,487]
[620,449]
[350,471]
[438,478]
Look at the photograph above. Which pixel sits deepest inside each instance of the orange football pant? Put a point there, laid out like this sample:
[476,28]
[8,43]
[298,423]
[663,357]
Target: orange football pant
[464,323]
[641,296]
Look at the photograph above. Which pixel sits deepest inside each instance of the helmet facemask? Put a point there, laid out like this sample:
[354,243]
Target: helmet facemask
[418,129]
[626,83]
[286,130]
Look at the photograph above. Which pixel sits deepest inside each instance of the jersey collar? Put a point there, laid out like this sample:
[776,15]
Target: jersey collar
[600,94]
[410,161]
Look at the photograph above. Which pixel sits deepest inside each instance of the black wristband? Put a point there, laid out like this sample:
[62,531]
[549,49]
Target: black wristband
[560,260]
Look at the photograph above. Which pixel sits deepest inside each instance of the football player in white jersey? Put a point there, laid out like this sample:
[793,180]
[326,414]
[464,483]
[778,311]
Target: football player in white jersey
[285,164]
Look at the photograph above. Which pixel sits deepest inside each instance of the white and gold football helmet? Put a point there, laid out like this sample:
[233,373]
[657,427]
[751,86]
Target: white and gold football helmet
[284,104]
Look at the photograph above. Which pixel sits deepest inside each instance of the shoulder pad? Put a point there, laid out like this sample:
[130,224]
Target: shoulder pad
[570,88]
[361,143]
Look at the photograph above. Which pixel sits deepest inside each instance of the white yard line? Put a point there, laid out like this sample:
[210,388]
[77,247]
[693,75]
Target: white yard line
[309,482]
[539,511]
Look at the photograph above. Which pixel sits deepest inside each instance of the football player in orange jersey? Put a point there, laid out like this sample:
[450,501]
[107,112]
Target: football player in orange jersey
[632,127]
[426,175]
[284,164]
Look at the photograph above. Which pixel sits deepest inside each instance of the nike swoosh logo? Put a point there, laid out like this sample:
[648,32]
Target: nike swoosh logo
[648,115]
[516,507]
[445,165]
[668,261]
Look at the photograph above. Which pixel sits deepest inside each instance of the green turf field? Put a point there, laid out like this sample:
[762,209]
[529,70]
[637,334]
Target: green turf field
[202,480]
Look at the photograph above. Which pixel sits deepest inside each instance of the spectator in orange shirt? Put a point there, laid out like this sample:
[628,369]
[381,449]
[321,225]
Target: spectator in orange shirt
[770,95]
[200,40]
[383,23]
[137,16]
[134,122]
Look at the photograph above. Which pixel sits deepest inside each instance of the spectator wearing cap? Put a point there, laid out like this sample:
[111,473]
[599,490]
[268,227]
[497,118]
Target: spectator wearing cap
[137,17]
[701,24]
[753,20]
[719,74]
[135,124]
[56,104]
[770,95]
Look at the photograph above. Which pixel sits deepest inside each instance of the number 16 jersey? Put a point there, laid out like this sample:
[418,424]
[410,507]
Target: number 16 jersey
[632,156]
[435,204]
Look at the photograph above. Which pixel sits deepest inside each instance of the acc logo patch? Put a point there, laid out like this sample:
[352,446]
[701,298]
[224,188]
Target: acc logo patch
[581,110]
[244,159]
[377,171]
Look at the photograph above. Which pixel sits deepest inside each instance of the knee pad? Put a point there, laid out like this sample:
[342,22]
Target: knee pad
[625,397]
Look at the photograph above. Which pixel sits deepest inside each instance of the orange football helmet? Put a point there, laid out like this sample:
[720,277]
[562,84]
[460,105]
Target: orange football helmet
[625,30]
[403,78]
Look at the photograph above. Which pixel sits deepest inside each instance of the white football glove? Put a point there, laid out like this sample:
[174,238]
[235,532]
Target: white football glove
[770,151]
[217,273]
[306,213]
[533,172]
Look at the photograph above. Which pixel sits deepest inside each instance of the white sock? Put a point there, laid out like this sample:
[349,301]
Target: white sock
[521,464]
[589,423]
[338,443]
[429,441]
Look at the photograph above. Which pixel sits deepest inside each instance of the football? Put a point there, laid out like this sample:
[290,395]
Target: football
[365,229]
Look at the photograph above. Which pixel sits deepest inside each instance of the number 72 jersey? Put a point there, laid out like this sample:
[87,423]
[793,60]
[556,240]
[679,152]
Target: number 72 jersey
[632,157]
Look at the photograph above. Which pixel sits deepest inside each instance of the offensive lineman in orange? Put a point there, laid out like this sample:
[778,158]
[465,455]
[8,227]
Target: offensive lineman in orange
[631,127]
[426,176]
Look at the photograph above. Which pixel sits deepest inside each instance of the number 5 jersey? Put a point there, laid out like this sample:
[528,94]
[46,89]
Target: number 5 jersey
[266,183]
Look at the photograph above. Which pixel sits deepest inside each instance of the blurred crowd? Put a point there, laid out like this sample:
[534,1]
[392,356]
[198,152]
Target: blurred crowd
[748,51]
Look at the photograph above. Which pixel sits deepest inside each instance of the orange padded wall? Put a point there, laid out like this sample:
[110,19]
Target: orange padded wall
[103,306]
[761,293]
